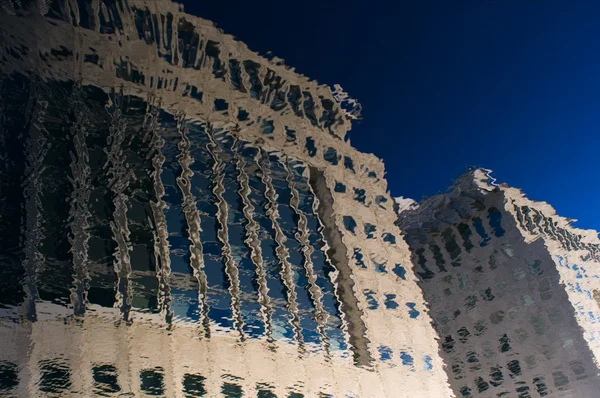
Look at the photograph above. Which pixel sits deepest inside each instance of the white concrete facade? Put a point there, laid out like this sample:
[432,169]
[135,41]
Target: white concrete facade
[510,286]
[187,76]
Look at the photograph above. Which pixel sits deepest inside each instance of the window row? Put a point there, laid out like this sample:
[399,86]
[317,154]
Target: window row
[537,222]
[452,242]
[181,43]
[56,379]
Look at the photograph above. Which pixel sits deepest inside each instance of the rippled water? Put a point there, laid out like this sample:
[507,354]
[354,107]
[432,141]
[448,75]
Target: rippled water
[167,222]
[181,217]
[512,290]
[111,202]
[188,222]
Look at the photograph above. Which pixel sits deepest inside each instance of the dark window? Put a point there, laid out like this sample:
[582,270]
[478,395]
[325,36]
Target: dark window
[380,200]
[329,114]
[463,334]
[472,357]
[294,98]
[213,51]
[371,300]
[194,93]
[540,386]
[495,219]
[465,233]
[407,359]
[496,376]
[385,353]
[523,392]
[55,376]
[9,378]
[265,391]
[481,231]
[515,368]
[310,147]
[152,381]
[339,187]
[227,175]
[379,267]
[236,75]
[279,102]
[309,108]
[471,302]
[482,385]
[400,271]
[348,163]
[230,390]
[242,115]
[451,247]
[105,379]
[487,294]
[390,302]
[331,156]
[438,257]
[389,238]
[290,135]
[424,273]
[350,224]
[252,69]
[267,127]
[221,105]
[358,257]
[360,195]
[480,328]
[505,344]
[412,311]
[193,385]
[448,344]
[370,230]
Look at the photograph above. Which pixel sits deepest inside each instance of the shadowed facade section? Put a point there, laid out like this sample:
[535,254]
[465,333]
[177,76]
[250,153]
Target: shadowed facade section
[507,314]
[337,254]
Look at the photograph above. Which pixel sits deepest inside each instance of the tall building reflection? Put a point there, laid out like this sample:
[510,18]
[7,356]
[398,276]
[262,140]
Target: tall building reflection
[182,217]
[512,289]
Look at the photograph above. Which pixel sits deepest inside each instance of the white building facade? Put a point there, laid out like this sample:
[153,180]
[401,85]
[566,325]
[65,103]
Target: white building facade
[182,217]
[512,289]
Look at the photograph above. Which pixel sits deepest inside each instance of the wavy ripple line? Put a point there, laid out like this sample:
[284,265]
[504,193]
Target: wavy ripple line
[79,212]
[35,151]
[192,218]
[159,232]
[119,176]
[302,236]
[231,269]
[253,243]
[281,250]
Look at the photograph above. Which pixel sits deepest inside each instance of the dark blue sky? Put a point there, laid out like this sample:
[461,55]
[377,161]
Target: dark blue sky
[511,85]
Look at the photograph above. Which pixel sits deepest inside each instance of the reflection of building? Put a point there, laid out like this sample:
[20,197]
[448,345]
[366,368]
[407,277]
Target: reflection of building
[179,212]
[97,356]
[512,290]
